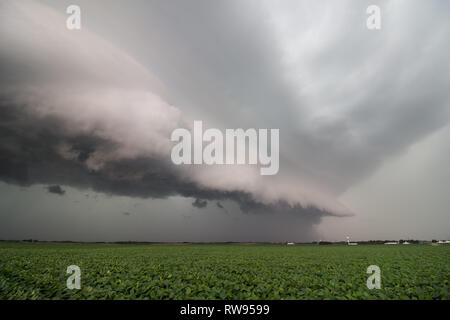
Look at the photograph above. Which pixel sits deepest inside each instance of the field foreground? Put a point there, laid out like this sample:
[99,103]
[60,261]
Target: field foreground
[222,271]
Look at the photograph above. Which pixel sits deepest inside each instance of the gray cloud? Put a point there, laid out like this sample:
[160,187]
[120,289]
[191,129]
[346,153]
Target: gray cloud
[56,189]
[72,131]
[38,161]
[199,203]
[346,99]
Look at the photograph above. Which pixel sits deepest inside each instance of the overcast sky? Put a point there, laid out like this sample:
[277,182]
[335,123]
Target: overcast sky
[86,119]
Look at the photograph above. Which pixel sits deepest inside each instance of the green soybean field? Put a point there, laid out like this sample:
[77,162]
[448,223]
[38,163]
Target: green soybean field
[223,271]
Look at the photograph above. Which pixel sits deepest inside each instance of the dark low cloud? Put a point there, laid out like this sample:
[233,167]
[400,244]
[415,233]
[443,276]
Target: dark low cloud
[29,155]
[199,203]
[56,189]
[98,121]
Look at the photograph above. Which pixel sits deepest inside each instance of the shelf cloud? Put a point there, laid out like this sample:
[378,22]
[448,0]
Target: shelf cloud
[96,118]
[80,110]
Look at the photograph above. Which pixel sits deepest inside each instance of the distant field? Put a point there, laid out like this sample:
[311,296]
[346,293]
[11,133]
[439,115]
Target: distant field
[214,271]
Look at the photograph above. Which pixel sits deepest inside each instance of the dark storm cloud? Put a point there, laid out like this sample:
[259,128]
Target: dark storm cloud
[199,203]
[28,148]
[29,155]
[345,100]
[92,120]
[56,189]
[357,97]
